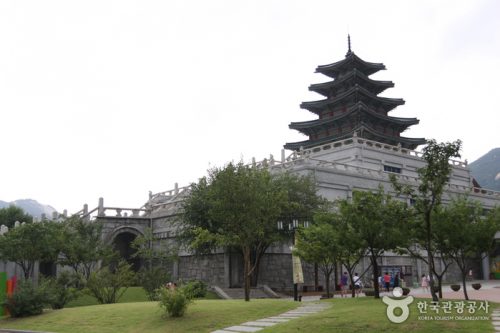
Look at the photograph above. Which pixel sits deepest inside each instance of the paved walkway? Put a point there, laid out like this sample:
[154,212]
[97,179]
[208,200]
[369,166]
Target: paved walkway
[257,325]
[495,317]
[490,291]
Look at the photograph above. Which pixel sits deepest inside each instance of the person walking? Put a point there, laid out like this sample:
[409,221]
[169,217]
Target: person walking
[344,279]
[424,283]
[387,281]
[396,280]
[357,283]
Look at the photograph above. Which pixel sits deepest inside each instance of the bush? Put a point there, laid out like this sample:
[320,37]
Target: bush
[62,290]
[27,300]
[151,280]
[406,291]
[194,289]
[107,285]
[455,287]
[476,286]
[174,301]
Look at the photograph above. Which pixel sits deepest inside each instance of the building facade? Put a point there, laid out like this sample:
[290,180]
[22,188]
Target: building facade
[354,144]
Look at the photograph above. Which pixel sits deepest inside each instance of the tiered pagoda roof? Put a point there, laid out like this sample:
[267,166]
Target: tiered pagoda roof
[352,105]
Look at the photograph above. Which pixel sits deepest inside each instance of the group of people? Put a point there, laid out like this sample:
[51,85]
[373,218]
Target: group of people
[389,280]
[344,284]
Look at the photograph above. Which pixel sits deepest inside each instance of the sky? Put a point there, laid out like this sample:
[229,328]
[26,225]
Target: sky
[114,99]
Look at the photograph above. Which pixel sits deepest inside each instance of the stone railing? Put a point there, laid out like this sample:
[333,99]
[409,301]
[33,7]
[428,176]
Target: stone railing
[172,197]
[356,141]
[102,211]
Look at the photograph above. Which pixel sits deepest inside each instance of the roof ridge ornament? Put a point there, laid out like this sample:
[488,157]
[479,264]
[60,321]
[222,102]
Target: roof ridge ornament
[348,45]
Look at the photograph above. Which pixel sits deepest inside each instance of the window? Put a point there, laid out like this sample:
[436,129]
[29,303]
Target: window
[392,169]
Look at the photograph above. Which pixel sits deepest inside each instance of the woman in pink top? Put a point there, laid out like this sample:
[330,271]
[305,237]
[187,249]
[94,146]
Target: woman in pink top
[424,283]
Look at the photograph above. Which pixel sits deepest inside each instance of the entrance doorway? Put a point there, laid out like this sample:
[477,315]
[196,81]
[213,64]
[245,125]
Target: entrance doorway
[123,244]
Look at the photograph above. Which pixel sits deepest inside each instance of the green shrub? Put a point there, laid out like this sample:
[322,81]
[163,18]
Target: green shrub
[107,284]
[27,300]
[151,280]
[174,301]
[194,289]
[62,290]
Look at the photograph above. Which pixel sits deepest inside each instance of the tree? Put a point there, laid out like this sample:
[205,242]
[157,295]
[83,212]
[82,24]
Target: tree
[11,214]
[319,244]
[416,245]
[378,221]
[469,233]
[153,275]
[238,207]
[82,246]
[428,195]
[110,282]
[31,242]
[350,246]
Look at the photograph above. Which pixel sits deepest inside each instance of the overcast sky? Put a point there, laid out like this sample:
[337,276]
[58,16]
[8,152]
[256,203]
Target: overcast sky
[117,98]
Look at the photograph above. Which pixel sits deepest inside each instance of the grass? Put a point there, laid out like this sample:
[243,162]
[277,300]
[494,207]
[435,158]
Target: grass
[132,294]
[366,314]
[201,316]
[362,315]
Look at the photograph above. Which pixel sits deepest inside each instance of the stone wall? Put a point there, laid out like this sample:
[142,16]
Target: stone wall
[209,268]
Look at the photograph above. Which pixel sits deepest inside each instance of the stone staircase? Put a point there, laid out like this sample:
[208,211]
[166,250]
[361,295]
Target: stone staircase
[239,293]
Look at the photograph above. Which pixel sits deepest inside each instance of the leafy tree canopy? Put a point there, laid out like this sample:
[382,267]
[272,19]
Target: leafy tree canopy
[11,214]
[239,206]
[31,242]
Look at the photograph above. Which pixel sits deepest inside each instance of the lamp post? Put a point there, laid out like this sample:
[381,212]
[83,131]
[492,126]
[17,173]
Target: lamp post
[298,276]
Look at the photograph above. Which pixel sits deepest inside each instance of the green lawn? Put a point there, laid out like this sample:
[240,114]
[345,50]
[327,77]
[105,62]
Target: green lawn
[366,314]
[201,316]
[345,316]
[132,294]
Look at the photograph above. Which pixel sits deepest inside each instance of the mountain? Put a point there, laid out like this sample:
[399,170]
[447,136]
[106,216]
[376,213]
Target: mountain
[30,206]
[486,170]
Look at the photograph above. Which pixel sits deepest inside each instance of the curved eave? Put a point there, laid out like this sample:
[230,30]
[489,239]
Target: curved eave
[326,87]
[318,106]
[404,122]
[408,143]
[351,61]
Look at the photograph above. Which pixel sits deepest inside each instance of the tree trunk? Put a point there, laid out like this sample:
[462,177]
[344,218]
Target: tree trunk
[464,284]
[335,278]
[440,285]
[316,278]
[327,282]
[246,273]
[376,287]
[430,259]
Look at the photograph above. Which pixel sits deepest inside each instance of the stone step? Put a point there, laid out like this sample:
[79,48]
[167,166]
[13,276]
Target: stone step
[239,293]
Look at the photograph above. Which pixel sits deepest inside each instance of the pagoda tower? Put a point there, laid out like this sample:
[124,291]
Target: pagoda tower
[352,107]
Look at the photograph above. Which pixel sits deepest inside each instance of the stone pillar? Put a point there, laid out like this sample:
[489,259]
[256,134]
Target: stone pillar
[65,213]
[85,212]
[283,156]
[176,188]
[100,207]
[486,266]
